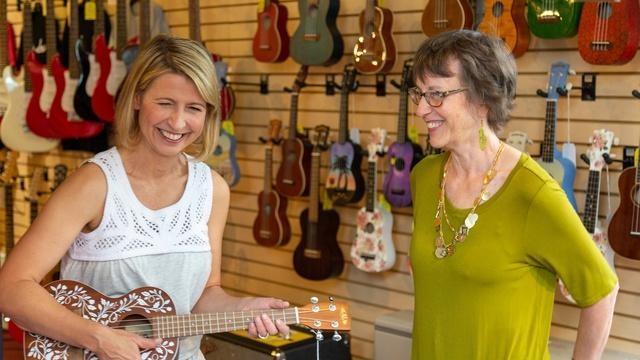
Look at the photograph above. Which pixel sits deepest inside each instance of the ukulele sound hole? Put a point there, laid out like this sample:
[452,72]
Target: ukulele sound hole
[291,157]
[399,164]
[497,9]
[369,228]
[267,210]
[138,325]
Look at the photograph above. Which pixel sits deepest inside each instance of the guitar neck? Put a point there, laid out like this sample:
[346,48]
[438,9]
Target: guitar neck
[52,39]
[314,192]
[98,26]
[27,37]
[121,30]
[145,26]
[4,61]
[402,117]
[8,206]
[268,160]
[194,20]
[343,131]
[549,142]
[200,324]
[592,201]
[371,186]
[74,70]
[293,116]
[369,17]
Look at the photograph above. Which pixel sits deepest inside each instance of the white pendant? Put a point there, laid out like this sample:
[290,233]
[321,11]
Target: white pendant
[471,219]
[440,252]
[485,195]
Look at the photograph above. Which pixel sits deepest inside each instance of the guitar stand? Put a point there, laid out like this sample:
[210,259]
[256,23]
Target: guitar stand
[380,85]
[607,159]
[274,141]
[263,84]
[588,88]
[329,85]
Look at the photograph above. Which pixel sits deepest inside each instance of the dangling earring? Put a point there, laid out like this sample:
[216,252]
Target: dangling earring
[482,137]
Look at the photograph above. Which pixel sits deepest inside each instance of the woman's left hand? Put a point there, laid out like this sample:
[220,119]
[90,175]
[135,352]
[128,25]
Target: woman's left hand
[262,325]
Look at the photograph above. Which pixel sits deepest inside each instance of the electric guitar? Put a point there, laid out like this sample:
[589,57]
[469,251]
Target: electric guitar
[403,154]
[271,41]
[318,255]
[8,180]
[373,248]
[293,174]
[271,226]
[505,19]
[150,312]
[445,15]
[561,169]
[102,101]
[7,44]
[609,32]
[624,227]
[345,183]
[118,67]
[15,133]
[144,32]
[317,40]
[553,19]
[89,69]
[375,49]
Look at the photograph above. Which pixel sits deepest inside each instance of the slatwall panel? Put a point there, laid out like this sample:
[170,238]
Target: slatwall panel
[248,269]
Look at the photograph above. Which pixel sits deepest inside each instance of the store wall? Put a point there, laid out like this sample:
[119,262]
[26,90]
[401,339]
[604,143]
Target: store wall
[228,27]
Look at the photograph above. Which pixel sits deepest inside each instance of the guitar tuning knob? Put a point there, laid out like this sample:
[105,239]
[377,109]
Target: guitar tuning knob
[331,299]
[314,299]
[336,337]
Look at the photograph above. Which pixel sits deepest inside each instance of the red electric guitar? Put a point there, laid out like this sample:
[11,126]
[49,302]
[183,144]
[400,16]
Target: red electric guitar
[609,31]
[271,226]
[271,41]
[101,101]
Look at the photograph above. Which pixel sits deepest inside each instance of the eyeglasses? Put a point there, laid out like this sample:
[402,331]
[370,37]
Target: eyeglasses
[434,97]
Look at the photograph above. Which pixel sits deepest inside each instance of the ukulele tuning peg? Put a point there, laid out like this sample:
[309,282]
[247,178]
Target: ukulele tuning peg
[319,335]
[314,299]
[336,336]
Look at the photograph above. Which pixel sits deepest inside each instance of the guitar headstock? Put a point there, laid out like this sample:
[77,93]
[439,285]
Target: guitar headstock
[300,79]
[36,185]
[332,315]
[601,142]
[320,138]
[10,170]
[519,140]
[59,174]
[273,133]
[557,79]
[376,146]
[349,82]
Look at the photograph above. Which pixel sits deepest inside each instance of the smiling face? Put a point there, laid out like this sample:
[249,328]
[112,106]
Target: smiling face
[456,122]
[171,114]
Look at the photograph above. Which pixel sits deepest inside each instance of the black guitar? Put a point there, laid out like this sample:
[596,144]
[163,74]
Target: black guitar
[318,255]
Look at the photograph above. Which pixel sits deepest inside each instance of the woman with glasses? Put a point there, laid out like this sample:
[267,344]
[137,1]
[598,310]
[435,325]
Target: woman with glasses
[493,231]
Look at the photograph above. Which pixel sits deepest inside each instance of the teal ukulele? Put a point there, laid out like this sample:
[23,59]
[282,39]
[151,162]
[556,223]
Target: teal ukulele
[554,19]
[317,40]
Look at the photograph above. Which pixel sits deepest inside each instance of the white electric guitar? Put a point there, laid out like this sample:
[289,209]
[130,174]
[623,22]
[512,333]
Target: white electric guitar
[49,87]
[118,67]
[373,249]
[601,142]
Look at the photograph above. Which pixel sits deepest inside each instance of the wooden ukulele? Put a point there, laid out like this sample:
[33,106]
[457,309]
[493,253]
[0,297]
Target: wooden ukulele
[150,312]
[560,168]
[373,249]
[14,131]
[403,154]
[505,19]
[271,226]
[553,19]
[624,227]
[271,41]
[445,15]
[518,140]
[293,174]
[609,32]
[318,255]
[345,183]
[317,40]
[375,50]
[8,180]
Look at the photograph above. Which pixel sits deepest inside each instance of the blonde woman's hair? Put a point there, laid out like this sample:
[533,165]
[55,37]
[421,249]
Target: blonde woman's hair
[167,54]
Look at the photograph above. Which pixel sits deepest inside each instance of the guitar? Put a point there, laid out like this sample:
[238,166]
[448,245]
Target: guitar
[271,41]
[608,33]
[553,19]
[5,47]
[293,174]
[375,50]
[561,169]
[624,227]
[150,312]
[144,32]
[271,226]
[445,15]
[8,179]
[345,183]
[318,255]
[118,67]
[403,154]
[317,40]
[14,131]
[505,19]
[373,248]
[519,140]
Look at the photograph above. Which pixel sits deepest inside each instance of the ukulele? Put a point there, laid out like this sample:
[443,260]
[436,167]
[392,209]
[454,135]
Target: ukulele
[7,179]
[624,227]
[318,256]
[553,19]
[271,41]
[317,40]
[403,154]
[505,19]
[519,140]
[375,49]
[150,312]
[271,226]
[609,32]
[14,131]
[345,183]
[445,15]
[293,174]
[373,249]
[560,168]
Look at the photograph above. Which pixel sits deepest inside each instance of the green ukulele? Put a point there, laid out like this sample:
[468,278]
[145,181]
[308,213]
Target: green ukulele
[317,40]
[554,19]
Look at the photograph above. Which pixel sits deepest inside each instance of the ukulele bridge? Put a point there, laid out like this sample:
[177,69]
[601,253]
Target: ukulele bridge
[601,45]
[312,253]
[549,17]
[265,234]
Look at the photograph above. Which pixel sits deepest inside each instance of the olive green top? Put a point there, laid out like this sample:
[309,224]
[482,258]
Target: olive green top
[493,298]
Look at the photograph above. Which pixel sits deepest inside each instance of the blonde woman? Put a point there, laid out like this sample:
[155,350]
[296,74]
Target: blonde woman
[143,213]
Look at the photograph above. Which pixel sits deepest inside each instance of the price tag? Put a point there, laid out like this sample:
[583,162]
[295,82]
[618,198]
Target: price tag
[261,5]
[327,204]
[413,134]
[384,204]
[227,126]
[89,10]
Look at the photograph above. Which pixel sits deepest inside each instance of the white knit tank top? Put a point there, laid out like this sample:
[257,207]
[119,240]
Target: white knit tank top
[135,246]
